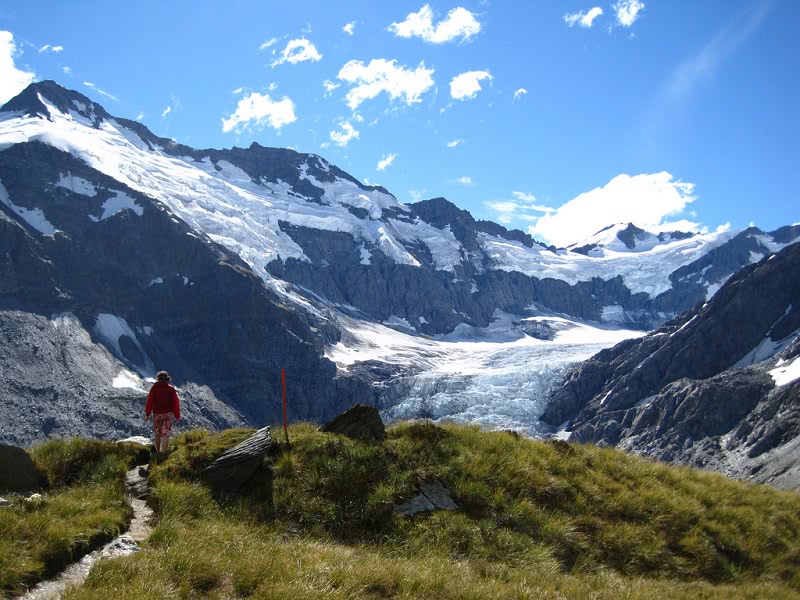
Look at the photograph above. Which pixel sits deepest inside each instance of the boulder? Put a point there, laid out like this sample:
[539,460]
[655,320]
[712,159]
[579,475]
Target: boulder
[238,464]
[432,496]
[360,422]
[17,471]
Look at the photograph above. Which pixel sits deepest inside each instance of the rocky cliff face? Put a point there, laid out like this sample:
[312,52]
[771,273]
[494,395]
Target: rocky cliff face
[102,285]
[718,387]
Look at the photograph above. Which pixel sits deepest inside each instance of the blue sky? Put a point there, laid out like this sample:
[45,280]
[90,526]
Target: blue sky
[557,117]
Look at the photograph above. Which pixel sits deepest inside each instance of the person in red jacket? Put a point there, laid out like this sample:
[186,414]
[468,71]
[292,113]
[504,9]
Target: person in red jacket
[163,403]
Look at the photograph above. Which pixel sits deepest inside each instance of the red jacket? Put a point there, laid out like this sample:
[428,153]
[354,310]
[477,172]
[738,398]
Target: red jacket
[163,399]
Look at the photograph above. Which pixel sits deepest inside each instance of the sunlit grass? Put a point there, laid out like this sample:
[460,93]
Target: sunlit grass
[84,506]
[535,520]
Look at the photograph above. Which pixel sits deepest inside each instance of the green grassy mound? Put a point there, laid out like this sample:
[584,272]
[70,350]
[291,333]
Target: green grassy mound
[536,519]
[82,507]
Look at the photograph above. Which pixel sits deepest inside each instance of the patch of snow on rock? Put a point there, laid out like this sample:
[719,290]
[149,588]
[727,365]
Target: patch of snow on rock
[784,373]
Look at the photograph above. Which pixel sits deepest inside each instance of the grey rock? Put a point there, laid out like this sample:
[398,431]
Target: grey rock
[432,496]
[237,465]
[17,471]
[675,394]
[137,482]
[360,422]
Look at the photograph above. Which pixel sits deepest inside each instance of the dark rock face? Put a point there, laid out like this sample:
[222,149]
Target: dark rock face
[236,466]
[360,422]
[675,394]
[17,471]
[632,235]
[191,307]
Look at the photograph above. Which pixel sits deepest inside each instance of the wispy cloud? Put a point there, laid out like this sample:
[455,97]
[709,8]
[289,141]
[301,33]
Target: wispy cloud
[627,11]
[583,18]
[459,23]
[344,134]
[520,93]
[381,75]
[705,63]
[269,43]
[296,51]
[467,85]
[260,110]
[12,79]
[166,111]
[416,195]
[465,180]
[454,143]
[329,86]
[521,207]
[49,48]
[67,70]
[349,28]
[387,160]
[89,84]
[140,116]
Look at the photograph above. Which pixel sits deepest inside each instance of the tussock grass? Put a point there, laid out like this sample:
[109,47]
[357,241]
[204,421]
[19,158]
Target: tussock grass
[536,520]
[83,507]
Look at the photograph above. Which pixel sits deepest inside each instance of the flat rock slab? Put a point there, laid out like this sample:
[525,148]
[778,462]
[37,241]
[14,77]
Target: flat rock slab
[432,496]
[137,439]
[361,422]
[231,470]
[17,471]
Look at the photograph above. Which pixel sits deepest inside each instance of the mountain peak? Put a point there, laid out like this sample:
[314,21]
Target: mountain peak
[29,101]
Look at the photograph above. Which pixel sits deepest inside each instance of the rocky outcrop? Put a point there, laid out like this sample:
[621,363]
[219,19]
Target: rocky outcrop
[700,390]
[359,422]
[432,496]
[237,465]
[17,471]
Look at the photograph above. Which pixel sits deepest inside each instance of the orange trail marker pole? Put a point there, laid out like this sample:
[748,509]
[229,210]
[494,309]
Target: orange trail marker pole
[283,386]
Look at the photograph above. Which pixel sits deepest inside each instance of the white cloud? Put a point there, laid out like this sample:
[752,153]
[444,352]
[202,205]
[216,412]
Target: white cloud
[583,18]
[330,86]
[416,195]
[238,90]
[459,23]
[465,180]
[166,111]
[348,29]
[383,75]
[261,110]
[272,86]
[296,51]
[89,84]
[467,85]
[268,43]
[345,133]
[140,116]
[454,143]
[387,160]
[49,48]
[67,70]
[645,200]
[627,11]
[519,93]
[12,80]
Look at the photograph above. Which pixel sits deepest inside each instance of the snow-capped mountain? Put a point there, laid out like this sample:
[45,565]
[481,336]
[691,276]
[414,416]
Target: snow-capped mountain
[226,265]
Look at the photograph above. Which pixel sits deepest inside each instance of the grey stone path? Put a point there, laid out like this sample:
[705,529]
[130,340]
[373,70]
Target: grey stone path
[127,543]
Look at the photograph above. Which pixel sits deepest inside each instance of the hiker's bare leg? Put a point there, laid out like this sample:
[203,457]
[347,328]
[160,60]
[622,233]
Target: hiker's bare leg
[164,443]
[158,443]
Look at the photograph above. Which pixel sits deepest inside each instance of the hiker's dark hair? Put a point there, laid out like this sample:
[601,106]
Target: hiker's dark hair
[163,376]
